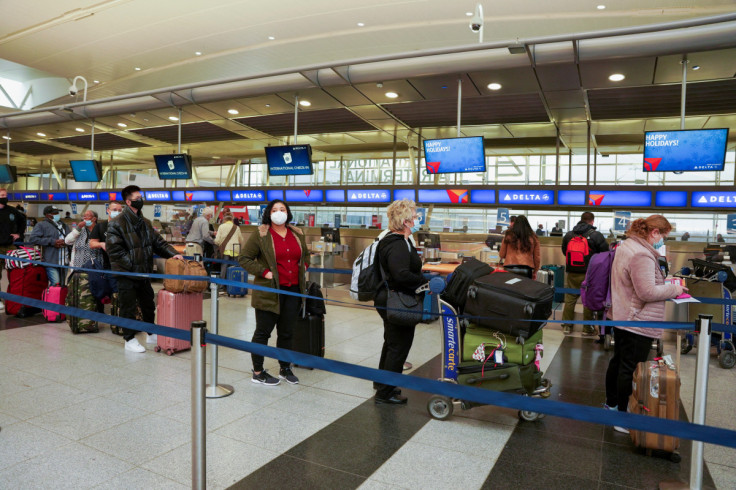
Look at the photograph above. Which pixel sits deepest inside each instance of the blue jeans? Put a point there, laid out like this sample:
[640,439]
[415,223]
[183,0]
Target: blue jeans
[54,275]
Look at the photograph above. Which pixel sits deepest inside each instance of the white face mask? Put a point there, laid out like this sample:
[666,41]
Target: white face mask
[278,217]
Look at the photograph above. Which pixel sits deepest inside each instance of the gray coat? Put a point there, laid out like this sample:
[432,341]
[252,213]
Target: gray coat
[45,234]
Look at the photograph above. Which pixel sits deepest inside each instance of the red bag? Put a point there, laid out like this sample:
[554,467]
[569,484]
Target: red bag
[578,253]
[56,295]
[28,282]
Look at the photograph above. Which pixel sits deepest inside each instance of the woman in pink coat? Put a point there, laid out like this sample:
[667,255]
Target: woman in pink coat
[638,293]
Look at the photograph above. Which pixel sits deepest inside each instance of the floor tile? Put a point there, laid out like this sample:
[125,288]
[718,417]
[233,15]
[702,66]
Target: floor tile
[505,476]
[325,405]
[464,435]
[46,398]
[220,411]
[724,477]
[152,396]
[288,472]
[14,381]
[21,441]
[141,478]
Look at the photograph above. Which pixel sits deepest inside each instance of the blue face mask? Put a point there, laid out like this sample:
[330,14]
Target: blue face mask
[88,222]
[657,245]
[114,214]
[57,217]
[415,227]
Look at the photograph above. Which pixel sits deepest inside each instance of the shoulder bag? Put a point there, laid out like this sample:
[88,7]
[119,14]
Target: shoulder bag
[404,310]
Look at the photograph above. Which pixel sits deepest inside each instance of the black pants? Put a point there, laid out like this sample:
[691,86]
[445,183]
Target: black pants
[131,294]
[396,346]
[284,321]
[630,349]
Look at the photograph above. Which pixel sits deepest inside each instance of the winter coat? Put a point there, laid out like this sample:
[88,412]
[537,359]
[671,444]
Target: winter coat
[401,264]
[45,233]
[258,256]
[638,291]
[512,255]
[81,252]
[222,232]
[131,242]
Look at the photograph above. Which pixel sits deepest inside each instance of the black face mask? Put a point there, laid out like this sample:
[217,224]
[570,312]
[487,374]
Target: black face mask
[3,200]
[137,204]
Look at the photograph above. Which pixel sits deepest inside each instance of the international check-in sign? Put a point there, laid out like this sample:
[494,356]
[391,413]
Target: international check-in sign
[502,218]
[421,216]
[156,210]
[621,220]
[731,224]
[74,208]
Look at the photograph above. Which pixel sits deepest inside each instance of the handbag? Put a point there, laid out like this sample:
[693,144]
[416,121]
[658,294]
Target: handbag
[404,310]
[22,253]
[220,251]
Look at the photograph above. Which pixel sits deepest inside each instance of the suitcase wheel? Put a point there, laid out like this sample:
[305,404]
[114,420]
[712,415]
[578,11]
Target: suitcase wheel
[675,457]
[528,416]
[440,407]
[157,349]
[169,352]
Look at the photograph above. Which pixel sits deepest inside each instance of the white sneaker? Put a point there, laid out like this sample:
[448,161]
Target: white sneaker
[2,306]
[622,430]
[134,346]
[152,339]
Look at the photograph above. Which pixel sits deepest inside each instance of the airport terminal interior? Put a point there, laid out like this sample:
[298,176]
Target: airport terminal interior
[476,111]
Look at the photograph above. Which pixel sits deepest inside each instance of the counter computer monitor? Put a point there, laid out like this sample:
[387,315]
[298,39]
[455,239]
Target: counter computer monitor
[688,150]
[494,239]
[86,170]
[8,174]
[455,155]
[177,166]
[555,233]
[331,235]
[430,240]
[289,160]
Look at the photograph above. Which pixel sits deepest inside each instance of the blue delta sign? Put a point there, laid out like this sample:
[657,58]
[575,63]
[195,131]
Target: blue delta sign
[621,220]
[731,224]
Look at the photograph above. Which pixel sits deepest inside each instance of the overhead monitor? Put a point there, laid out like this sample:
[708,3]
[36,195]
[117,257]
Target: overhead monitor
[289,160]
[455,155]
[8,174]
[689,150]
[86,170]
[177,166]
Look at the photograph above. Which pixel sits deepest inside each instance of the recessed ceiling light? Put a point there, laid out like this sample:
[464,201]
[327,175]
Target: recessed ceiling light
[137,68]
[198,53]
[215,158]
[601,7]
[95,81]
[173,118]
[616,77]
[122,125]
[268,105]
[233,111]
[469,14]
[271,38]
[360,24]
[304,103]
[494,86]
[696,67]
[391,95]
[42,135]
[7,138]
[79,130]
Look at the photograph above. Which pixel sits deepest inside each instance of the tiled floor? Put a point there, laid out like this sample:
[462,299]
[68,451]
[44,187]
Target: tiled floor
[80,412]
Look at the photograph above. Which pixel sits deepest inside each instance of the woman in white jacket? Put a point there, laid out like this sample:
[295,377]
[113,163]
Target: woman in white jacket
[228,239]
[79,239]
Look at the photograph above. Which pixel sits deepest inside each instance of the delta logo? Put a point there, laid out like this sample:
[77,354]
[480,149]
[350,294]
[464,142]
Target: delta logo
[457,196]
[307,192]
[595,199]
[113,196]
[651,164]
[433,167]
[49,197]
[188,196]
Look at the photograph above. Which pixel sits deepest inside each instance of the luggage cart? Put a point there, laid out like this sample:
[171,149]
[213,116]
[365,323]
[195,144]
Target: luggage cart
[711,280]
[514,378]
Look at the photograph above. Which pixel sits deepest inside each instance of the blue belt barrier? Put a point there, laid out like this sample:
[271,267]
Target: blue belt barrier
[686,430]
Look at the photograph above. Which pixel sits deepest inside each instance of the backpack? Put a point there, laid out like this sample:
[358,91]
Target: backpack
[578,253]
[365,280]
[595,291]
[456,292]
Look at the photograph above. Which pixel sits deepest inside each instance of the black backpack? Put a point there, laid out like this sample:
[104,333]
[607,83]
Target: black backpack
[456,292]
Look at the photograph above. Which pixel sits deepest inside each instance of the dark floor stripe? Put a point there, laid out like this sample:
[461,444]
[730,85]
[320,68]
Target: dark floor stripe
[8,322]
[348,451]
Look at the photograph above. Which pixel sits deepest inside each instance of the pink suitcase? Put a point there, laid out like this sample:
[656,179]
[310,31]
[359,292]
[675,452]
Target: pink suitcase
[56,295]
[177,310]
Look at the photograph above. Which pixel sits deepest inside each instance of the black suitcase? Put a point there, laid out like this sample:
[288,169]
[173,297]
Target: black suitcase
[502,301]
[456,291]
[309,335]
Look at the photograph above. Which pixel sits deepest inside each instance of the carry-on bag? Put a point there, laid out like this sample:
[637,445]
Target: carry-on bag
[315,306]
[30,253]
[177,310]
[179,267]
[656,394]
[545,277]
[80,296]
[238,274]
[505,302]
[506,377]
[309,335]
[522,270]
[515,350]
[457,287]
[56,295]
[28,282]
[557,281]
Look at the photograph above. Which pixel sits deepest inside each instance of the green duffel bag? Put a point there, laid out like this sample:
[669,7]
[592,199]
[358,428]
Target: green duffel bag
[507,377]
[514,352]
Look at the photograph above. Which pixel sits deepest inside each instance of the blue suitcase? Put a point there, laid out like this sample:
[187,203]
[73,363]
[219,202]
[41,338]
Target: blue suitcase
[237,273]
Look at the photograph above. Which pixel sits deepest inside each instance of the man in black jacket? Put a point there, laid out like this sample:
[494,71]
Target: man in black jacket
[574,275]
[12,228]
[131,242]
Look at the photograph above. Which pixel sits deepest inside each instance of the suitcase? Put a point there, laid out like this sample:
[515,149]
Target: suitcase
[457,286]
[238,274]
[56,295]
[545,277]
[506,377]
[657,394]
[309,335]
[557,281]
[517,351]
[522,270]
[80,296]
[177,310]
[28,282]
[503,301]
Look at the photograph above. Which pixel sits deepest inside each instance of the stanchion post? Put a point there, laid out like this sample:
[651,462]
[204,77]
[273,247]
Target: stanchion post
[199,407]
[703,328]
[215,390]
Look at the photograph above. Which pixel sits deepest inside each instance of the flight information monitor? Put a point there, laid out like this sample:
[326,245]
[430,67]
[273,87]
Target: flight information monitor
[289,160]
[685,151]
[176,166]
[86,170]
[8,174]
[455,155]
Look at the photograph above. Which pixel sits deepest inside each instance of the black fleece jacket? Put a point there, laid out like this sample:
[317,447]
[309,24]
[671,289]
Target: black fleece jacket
[401,264]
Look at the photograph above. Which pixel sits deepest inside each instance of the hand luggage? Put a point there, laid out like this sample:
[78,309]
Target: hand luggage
[315,306]
[56,295]
[30,253]
[28,282]
[457,287]
[557,281]
[177,310]
[545,277]
[101,284]
[309,335]
[179,267]
[522,270]
[80,296]
[657,394]
[515,350]
[237,273]
[506,377]
[504,302]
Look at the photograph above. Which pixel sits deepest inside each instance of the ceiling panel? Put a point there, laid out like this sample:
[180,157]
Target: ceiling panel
[348,95]
[103,141]
[34,148]
[565,99]
[638,71]
[560,76]
[442,87]
[513,81]
[190,133]
[711,65]
[309,122]
[404,90]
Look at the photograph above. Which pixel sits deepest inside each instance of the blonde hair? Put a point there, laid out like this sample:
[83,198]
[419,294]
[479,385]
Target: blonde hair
[400,211]
[643,226]
[208,211]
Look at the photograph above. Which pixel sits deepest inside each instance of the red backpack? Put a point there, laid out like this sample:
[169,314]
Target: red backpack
[578,253]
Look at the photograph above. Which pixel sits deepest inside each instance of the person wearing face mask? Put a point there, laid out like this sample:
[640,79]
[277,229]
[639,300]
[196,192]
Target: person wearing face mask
[200,239]
[638,293]
[97,239]
[12,228]
[402,266]
[79,239]
[276,255]
[50,234]
[131,242]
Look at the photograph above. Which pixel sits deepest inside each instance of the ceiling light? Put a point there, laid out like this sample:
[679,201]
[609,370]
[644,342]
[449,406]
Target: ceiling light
[304,103]
[271,38]
[42,135]
[696,67]
[616,77]
[233,111]
[391,95]
[122,125]
[360,24]
[494,86]
[215,158]
[601,7]
[268,105]
[444,86]
[79,130]
[173,118]
[198,53]
[7,138]
[469,14]
[137,68]
[96,81]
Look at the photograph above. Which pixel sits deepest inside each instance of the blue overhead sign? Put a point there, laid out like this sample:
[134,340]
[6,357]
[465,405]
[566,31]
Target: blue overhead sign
[443,196]
[731,224]
[54,196]
[304,195]
[30,196]
[713,199]
[503,217]
[409,194]
[518,196]
[483,196]
[620,198]
[335,195]
[621,220]
[571,198]
[670,199]
[160,195]
[223,196]
[249,196]
[369,195]
[87,196]
[193,196]
[271,195]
